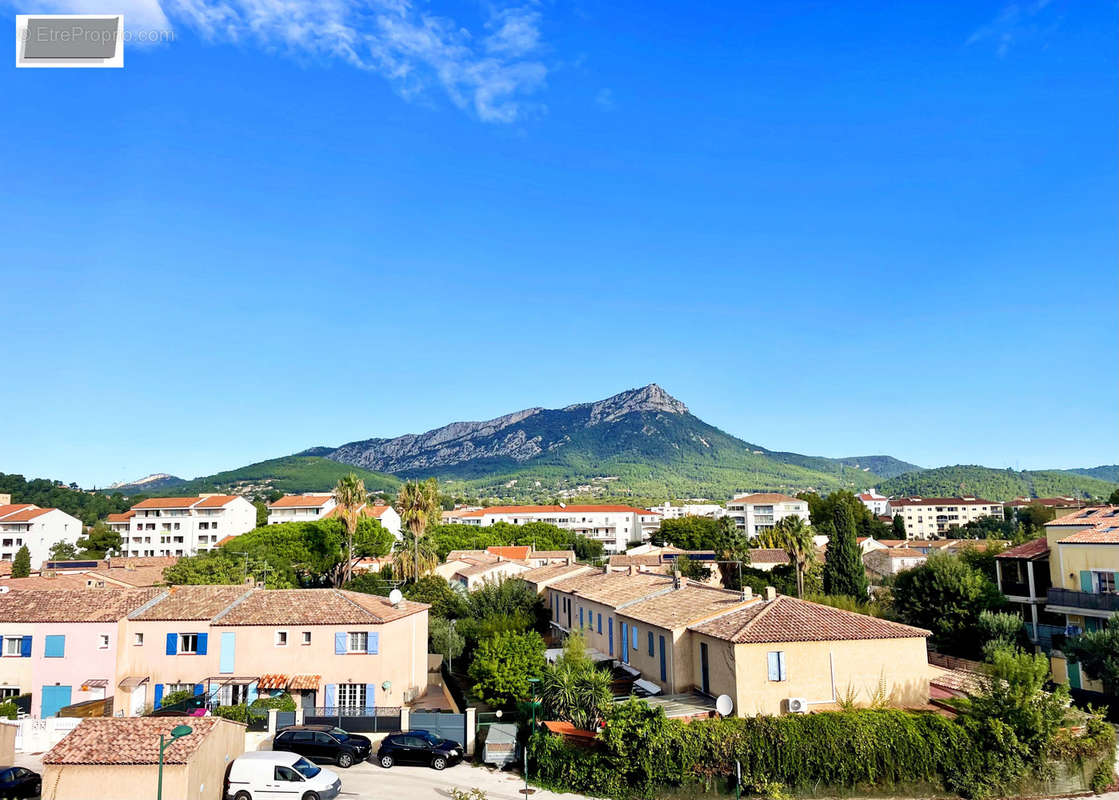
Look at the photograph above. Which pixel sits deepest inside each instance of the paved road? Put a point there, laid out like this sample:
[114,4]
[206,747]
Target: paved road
[423,783]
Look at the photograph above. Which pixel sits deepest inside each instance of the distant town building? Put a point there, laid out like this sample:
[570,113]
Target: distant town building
[669,511]
[184,526]
[616,526]
[754,513]
[875,502]
[300,508]
[1059,505]
[935,517]
[26,524]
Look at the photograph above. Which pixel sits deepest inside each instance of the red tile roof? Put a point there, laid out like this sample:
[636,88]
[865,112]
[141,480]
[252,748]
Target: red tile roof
[166,502]
[1086,516]
[217,500]
[940,501]
[26,515]
[192,603]
[127,515]
[131,740]
[314,607]
[787,619]
[763,498]
[305,683]
[528,510]
[12,508]
[1030,550]
[70,605]
[768,555]
[301,501]
[272,680]
[515,552]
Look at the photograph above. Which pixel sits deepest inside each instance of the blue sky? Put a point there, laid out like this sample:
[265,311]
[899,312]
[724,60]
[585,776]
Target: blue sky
[834,228]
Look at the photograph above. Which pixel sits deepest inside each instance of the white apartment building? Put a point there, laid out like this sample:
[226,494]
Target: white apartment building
[934,517]
[615,526]
[875,503]
[669,511]
[185,526]
[300,508]
[754,513]
[37,528]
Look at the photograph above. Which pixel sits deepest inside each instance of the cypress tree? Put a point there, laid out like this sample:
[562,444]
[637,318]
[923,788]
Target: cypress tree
[843,571]
[899,527]
[21,564]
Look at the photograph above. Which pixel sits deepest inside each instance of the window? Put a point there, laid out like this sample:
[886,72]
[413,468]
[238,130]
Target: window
[287,774]
[178,687]
[188,642]
[358,642]
[351,695]
[102,641]
[1106,582]
[281,638]
[306,637]
[777,665]
[12,645]
[8,691]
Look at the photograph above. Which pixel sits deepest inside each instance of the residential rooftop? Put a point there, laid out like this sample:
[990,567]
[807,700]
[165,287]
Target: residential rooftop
[314,607]
[71,605]
[130,741]
[681,607]
[615,588]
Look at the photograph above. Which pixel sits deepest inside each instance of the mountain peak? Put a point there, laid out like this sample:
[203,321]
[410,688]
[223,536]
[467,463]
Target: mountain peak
[647,398]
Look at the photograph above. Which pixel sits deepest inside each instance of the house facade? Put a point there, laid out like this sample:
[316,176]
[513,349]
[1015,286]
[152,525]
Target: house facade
[876,503]
[27,525]
[185,526]
[755,513]
[1024,576]
[300,508]
[616,526]
[935,517]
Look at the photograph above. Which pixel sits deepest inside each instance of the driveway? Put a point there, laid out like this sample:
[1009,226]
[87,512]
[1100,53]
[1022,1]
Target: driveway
[423,783]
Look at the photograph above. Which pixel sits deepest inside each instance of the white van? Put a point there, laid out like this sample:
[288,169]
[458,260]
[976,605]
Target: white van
[273,775]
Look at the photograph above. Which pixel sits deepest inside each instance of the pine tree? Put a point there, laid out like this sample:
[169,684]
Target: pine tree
[843,571]
[21,565]
[899,527]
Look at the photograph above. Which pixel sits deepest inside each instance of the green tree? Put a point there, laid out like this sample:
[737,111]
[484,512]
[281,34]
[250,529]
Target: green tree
[444,600]
[98,541]
[946,596]
[1098,653]
[899,527]
[415,557]
[795,538]
[844,572]
[261,513]
[1113,498]
[1012,692]
[418,503]
[1000,631]
[21,564]
[62,551]
[503,663]
[692,569]
[574,689]
[350,496]
[445,640]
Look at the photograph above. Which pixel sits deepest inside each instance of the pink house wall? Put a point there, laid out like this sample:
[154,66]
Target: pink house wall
[84,660]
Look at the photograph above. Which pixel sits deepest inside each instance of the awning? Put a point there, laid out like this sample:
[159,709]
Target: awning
[229,680]
[629,669]
[647,686]
[132,682]
[272,681]
[305,683]
[95,683]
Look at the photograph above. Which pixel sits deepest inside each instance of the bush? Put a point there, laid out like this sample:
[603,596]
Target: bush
[238,713]
[8,710]
[281,702]
[503,664]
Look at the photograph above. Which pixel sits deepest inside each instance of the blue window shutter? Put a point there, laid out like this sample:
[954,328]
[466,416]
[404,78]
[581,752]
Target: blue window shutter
[330,695]
[55,646]
[172,644]
[372,643]
[600,623]
[610,630]
[25,647]
[199,688]
[158,695]
[580,616]
[339,644]
[252,693]
[664,666]
[202,637]
[227,655]
[634,637]
[650,644]
[1085,580]
[370,696]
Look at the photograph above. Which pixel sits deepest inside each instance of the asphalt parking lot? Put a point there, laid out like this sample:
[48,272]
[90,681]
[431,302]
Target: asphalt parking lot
[369,780]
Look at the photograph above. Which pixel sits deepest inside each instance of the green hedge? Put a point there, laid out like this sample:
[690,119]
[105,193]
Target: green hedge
[641,752]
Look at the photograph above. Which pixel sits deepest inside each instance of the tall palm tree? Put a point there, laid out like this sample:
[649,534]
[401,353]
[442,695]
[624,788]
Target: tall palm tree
[795,538]
[350,495]
[416,503]
[414,557]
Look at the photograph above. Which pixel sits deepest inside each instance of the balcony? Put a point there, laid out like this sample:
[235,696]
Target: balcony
[1086,601]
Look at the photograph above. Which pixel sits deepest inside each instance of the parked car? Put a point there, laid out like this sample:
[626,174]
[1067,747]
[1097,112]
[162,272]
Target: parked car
[19,782]
[265,774]
[324,743]
[419,747]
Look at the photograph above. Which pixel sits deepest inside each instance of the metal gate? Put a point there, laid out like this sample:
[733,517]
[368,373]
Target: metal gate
[447,726]
[382,719]
[284,719]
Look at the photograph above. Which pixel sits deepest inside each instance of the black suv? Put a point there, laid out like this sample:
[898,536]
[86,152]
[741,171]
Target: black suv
[419,747]
[324,743]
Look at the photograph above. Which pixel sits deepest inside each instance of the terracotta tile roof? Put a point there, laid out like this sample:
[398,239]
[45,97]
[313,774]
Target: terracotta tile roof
[166,502]
[894,542]
[615,588]
[272,680]
[762,499]
[642,560]
[901,552]
[1032,549]
[131,740]
[274,607]
[123,517]
[684,606]
[70,605]
[5,568]
[482,567]
[374,512]
[26,515]
[138,576]
[71,580]
[898,502]
[12,508]
[530,510]
[550,572]
[1085,516]
[551,554]
[192,603]
[787,619]
[301,501]
[768,555]
[1101,534]
[512,552]
[1048,502]
[217,500]
[305,683]
[477,555]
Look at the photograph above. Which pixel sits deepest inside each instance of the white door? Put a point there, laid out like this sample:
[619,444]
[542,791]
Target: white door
[138,700]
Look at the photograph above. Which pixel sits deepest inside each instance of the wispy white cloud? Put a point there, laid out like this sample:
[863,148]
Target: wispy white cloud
[604,99]
[490,72]
[1015,23]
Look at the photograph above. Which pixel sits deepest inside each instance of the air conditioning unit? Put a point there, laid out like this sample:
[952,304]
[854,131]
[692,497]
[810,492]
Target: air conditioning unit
[797,705]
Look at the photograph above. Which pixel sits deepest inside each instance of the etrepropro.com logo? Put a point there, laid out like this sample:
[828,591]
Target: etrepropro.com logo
[70,40]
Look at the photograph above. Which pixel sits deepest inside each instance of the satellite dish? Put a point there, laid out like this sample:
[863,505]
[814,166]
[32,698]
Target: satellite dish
[724,705]
[395,597]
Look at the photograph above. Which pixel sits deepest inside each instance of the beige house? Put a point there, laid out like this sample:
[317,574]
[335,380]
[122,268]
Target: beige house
[542,577]
[117,758]
[779,654]
[590,602]
[935,517]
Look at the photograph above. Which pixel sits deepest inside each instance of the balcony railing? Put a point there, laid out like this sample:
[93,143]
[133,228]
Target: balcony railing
[1089,601]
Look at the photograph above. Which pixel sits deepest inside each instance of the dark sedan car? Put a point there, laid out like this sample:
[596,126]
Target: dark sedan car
[324,743]
[419,747]
[19,782]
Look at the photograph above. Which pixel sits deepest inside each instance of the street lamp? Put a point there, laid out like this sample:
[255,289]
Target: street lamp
[532,702]
[178,732]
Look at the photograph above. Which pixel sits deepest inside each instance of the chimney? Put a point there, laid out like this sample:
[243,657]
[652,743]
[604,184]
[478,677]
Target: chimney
[5,499]
[567,561]
[676,579]
[770,594]
[747,593]
[634,569]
